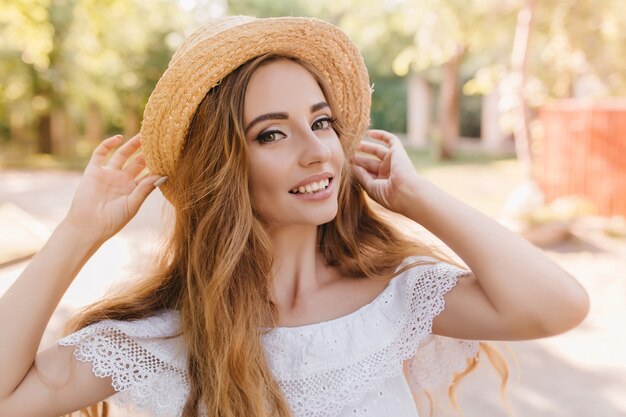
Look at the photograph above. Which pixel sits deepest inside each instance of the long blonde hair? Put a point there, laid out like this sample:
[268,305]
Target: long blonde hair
[216,267]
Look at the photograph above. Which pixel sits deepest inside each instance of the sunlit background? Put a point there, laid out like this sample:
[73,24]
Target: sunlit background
[517,107]
[74,71]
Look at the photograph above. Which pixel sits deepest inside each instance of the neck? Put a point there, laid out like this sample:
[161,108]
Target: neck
[298,268]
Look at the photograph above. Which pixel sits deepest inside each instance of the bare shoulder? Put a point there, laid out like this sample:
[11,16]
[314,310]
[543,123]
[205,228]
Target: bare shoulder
[344,296]
[56,384]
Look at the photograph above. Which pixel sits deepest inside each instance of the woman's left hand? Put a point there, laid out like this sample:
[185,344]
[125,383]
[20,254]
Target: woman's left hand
[390,177]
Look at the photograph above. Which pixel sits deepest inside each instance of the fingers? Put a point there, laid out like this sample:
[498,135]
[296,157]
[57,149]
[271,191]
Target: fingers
[101,151]
[390,141]
[124,152]
[375,149]
[121,156]
[136,165]
[369,164]
[362,175]
[383,136]
[141,191]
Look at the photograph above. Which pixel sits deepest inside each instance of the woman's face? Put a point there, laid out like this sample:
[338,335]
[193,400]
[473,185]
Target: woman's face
[294,153]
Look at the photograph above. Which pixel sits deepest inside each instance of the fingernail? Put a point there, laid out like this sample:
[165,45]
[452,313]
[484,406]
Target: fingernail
[160,181]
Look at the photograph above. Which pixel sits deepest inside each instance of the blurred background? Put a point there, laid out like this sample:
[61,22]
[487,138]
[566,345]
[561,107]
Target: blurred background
[516,107]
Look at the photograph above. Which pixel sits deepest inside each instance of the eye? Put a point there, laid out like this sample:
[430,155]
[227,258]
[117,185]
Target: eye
[270,136]
[323,123]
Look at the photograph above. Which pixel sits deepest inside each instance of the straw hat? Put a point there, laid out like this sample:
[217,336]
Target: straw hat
[219,47]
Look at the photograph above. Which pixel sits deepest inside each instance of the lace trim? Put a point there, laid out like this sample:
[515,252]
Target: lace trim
[437,360]
[142,379]
[327,393]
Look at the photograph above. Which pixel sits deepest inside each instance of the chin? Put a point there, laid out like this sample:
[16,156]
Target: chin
[278,212]
[323,217]
[325,220]
[315,218]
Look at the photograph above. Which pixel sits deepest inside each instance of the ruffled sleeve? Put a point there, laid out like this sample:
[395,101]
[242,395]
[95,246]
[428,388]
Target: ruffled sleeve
[145,359]
[437,358]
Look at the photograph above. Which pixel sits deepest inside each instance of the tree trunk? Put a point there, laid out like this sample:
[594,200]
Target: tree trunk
[94,126]
[448,112]
[44,138]
[519,69]
[527,197]
[418,109]
[18,133]
[62,142]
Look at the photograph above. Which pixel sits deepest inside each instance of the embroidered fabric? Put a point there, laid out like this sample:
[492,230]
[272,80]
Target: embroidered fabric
[324,369]
[144,358]
[451,355]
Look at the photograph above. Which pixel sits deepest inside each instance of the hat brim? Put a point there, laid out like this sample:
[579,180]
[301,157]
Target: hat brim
[214,51]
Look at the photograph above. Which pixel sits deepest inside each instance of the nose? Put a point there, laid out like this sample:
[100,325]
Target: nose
[313,148]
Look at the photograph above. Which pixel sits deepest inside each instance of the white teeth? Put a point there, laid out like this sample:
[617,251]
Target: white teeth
[311,188]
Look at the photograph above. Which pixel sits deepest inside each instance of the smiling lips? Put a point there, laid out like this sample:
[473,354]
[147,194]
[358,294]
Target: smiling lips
[312,187]
[313,184]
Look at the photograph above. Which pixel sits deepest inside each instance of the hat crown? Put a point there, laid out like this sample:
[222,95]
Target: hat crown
[207,31]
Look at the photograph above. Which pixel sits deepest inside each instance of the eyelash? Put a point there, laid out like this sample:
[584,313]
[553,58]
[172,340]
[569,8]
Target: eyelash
[261,138]
[330,120]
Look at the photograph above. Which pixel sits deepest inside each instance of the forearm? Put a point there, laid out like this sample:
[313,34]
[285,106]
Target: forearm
[519,280]
[28,304]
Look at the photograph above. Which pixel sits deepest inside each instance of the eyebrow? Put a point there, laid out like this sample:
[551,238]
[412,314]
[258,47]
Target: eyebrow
[282,116]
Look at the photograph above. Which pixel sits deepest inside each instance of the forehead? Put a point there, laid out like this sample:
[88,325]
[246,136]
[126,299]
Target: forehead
[280,86]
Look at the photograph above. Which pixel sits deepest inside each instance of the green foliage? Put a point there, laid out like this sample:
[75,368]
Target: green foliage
[71,55]
[580,48]
[271,8]
[442,29]
[577,47]
[389,104]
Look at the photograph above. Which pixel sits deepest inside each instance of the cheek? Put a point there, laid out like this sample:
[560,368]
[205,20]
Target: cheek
[265,179]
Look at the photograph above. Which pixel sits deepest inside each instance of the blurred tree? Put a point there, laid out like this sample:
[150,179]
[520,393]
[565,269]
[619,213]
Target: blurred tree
[124,49]
[450,40]
[576,50]
[27,67]
[89,62]
[93,63]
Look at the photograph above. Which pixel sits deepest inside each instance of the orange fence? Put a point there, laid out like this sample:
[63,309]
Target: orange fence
[582,151]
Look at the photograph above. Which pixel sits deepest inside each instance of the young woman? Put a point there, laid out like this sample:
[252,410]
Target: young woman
[283,290]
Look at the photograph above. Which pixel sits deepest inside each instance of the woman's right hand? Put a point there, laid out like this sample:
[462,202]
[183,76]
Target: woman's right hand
[109,195]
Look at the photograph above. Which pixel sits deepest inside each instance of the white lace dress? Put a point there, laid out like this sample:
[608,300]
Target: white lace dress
[348,366]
